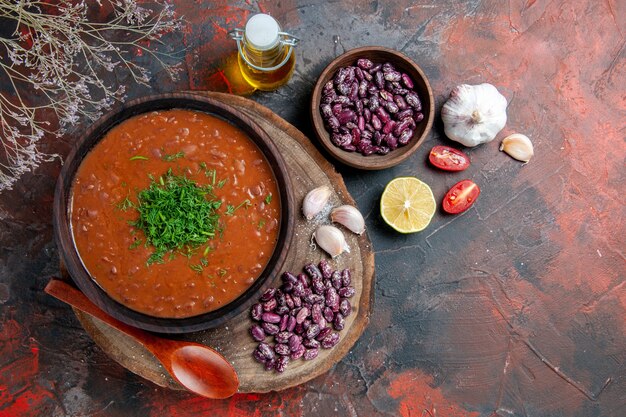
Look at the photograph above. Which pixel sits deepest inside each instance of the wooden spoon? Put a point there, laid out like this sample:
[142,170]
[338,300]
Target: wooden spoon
[198,368]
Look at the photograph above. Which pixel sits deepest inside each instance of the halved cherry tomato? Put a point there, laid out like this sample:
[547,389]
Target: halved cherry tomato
[448,159]
[460,197]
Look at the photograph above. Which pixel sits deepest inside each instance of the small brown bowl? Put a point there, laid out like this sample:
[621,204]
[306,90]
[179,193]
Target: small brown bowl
[63,205]
[403,64]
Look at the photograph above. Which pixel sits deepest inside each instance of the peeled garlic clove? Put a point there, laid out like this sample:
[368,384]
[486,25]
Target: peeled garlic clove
[331,240]
[315,201]
[349,217]
[518,146]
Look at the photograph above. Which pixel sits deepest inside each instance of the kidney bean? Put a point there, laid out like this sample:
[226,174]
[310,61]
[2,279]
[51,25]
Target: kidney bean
[333,123]
[346,116]
[379,79]
[339,322]
[316,313]
[392,75]
[270,364]
[306,324]
[257,333]
[375,68]
[413,100]
[391,107]
[316,298]
[346,292]
[269,305]
[312,271]
[289,301]
[298,353]
[402,126]
[297,301]
[282,349]
[298,289]
[407,81]
[366,135]
[281,364]
[291,323]
[344,88]
[388,66]
[332,299]
[336,279]
[302,314]
[388,127]
[268,294]
[311,343]
[418,117]
[367,114]
[400,102]
[376,124]
[340,76]
[323,333]
[372,90]
[327,111]
[288,277]
[391,141]
[345,307]
[318,286]
[266,351]
[374,103]
[329,98]
[362,90]
[280,298]
[367,75]
[346,277]
[280,310]
[282,336]
[329,315]
[270,328]
[405,137]
[404,114]
[356,136]
[382,115]
[312,331]
[383,150]
[325,269]
[361,124]
[358,73]
[385,96]
[328,87]
[294,342]
[258,356]
[353,94]
[256,311]
[337,108]
[329,341]
[351,74]
[310,354]
[364,63]
[340,140]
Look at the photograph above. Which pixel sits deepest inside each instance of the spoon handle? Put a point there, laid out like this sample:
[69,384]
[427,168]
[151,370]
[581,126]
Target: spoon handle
[74,297]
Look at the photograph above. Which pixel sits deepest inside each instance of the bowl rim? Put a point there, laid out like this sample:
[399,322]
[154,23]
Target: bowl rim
[355,159]
[62,211]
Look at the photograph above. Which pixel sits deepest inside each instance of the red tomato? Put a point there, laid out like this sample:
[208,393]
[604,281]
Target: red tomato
[448,159]
[460,197]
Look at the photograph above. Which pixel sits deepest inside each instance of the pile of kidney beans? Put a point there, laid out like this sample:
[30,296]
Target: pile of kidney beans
[370,108]
[301,315]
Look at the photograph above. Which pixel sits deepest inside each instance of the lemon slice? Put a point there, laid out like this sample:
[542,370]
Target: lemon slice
[407,204]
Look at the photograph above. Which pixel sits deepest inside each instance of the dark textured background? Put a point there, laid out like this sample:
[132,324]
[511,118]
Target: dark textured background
[514,308]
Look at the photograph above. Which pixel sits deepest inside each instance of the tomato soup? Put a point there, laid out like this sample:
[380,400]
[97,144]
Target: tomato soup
[198,147]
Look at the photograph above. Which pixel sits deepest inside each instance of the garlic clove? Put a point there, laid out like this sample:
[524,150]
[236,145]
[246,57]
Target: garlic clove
[349,217]
[315,201]
[518,146]
[331,240]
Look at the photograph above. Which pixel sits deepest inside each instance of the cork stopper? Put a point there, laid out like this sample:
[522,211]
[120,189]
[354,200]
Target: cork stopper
[262,32]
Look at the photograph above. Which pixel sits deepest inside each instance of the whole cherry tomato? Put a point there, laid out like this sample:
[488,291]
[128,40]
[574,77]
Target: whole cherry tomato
[460,197]
[448,159]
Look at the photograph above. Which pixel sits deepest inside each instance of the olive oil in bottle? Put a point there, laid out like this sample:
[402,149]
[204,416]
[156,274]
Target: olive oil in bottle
[266,55]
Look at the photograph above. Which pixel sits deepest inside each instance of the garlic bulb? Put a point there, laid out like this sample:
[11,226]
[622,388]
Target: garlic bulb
[315,201]
[474,114]
[331,240]
[349,217]
[518,146]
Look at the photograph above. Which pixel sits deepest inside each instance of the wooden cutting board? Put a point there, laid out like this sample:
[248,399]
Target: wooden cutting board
[309,169]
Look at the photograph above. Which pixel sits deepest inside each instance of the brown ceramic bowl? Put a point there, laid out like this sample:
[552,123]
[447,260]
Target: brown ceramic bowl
[403,64]
[62,212]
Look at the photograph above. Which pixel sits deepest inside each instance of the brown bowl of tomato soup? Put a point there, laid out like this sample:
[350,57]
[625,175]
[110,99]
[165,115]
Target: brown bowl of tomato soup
[172,212]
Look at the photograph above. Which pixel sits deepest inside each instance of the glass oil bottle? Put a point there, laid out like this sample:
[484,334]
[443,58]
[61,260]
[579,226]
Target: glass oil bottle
[265,54]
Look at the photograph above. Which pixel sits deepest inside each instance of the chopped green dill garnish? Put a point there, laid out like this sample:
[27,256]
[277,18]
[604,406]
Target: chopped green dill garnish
[268,199]
[173,157]
[230,209]
[222,272]
[135,244]
[204,262]
[207,250]
[261,224]
[176,215]
[197,268]
[125,204]
[138,158]
[221,183]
